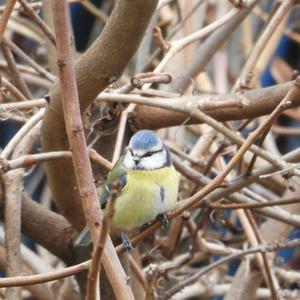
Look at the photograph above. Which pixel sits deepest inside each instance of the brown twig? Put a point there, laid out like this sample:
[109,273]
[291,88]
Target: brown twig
[251,104]
[175,47]
[246,75]
[22,105]
[75,133]
[32,159]
[100,160]
[34,121]
[17,7]
[41,278]
[254,205]
[69,271]
[31,13]
[5,16]
[98,13]
[47,228]
[14,72]
[137,271]
[22,68]
[285,130]
[12,89]
[254,156]
[191,279]
[94,271]
[248,142]
[191,109]
[13,193]
[173,32]
[159,39]
[13,188]
[139,80]
[73,120]
[108,56]
[217,194]
[271,280]
[23,56]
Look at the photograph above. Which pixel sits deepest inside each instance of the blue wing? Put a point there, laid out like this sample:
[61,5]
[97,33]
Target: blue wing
[118,173]
[107,189]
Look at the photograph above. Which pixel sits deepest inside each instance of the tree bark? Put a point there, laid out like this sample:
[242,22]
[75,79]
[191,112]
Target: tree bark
[252,104]
[102,63]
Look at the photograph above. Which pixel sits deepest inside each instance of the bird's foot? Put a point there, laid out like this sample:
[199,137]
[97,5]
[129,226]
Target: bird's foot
[126,242]
[163,219]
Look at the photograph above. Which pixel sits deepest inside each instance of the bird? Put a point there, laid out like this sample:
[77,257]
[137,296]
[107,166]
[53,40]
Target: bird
[148,186]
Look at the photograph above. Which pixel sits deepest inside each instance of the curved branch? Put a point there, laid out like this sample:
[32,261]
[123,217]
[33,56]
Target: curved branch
[253,103]
[45,227]
[104,61]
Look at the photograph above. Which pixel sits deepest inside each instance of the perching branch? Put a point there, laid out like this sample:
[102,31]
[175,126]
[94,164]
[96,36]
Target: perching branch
[105,59]
[76,139]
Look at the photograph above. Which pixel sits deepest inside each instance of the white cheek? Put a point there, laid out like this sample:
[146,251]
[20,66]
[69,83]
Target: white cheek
[155,161]
[128,161]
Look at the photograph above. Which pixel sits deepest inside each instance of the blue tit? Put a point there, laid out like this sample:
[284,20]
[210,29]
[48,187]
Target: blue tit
[149,185]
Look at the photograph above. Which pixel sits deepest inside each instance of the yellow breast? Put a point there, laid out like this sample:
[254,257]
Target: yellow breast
[147,194]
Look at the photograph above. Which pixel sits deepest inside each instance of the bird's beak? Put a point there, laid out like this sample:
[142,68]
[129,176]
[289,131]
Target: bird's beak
[136,159]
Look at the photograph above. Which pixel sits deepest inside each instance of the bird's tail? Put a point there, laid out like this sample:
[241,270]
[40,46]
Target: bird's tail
[84,238]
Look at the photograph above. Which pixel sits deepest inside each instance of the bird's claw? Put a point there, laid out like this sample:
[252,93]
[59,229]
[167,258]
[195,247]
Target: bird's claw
[163,219]
[126,242]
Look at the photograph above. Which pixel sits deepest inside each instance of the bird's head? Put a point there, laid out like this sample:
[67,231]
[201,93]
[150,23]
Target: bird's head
[146,151]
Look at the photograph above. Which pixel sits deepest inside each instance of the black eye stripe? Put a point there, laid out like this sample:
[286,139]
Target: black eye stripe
[149,153]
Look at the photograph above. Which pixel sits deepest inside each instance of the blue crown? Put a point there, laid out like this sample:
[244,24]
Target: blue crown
[144,139]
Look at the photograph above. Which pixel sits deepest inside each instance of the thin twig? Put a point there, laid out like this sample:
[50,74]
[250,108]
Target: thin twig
[246,75]
[23,105]
[98,13]
[34,121]
[32,159]
[284,130]
[46,277]
[35,17]
[271,281]
[76,138]
[73,120]
[175,47]
[192,110]
[18,8]
[23,56]
[137,271]
[14,72]
[218,194]
[69,271]
[254,205]
[191,279]
[12,89]
[248,142]
[5,16]
[94,272]
[13,189]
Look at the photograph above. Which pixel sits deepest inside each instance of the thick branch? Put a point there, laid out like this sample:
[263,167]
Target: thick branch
[104,60]
[253,103]
[13,187]
[45,227]
[82,166]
